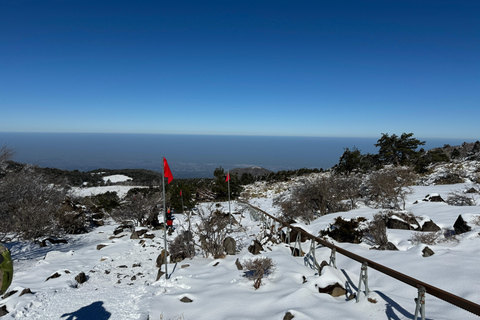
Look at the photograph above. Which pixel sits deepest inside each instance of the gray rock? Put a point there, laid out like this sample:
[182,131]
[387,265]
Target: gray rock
[160,273]
[186,300]
[101,246]
[288,316]
[255,248]
[430,226]
[161,259]
[427,252]
[81,278]
[3,311]
[238,264]
[230,245]
[335,290]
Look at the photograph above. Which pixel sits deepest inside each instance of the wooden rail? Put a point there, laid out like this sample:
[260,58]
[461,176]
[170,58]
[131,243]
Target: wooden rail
[434,291]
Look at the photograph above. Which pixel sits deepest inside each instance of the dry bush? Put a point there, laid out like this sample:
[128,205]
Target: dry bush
[314,198]
[429,238]
[257,268]
[182,247]
[457,198]
[29,205]
[389,187]
[142,208]
[212,231]
[377,229]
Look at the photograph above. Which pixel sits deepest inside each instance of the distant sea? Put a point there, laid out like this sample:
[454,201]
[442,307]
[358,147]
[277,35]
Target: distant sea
[189,156]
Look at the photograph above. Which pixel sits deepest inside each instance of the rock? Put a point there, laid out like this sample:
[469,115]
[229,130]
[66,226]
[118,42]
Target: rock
[185,266]
[25,291]
[186,300]
[122,266]
[216,264]
[9,294]
[433,198]
[134,235]
[335,290]
[255,248]
[133,278]
[461,225]
[427,252]
[98,222]
[238,264]
[296,252]
[160,273]
[81,278]
[288,316]
[136,265]
[322,265]
[161,258]
[430,226]
[101,246]
[3,311]
[53,276]
[397,224]
[149,235]
[388,246]
[52,241]
[230,245]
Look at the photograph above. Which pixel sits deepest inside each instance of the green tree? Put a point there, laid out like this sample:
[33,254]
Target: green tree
[398,150]
[349,161]
[220,187]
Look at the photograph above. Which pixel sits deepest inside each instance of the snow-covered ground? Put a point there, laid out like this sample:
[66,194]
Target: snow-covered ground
[121,277]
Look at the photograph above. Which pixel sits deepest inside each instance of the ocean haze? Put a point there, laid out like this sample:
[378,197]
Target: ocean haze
[189,156]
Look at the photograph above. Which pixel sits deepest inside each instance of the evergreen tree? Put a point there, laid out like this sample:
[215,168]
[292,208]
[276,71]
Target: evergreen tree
[398,150]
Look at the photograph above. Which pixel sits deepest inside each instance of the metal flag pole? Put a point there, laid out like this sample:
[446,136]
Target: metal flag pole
[164,218]
[181,196]
[229,208]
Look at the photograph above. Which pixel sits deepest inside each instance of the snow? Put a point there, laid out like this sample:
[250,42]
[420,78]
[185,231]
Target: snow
[116,178]
[121,277]
[93,191]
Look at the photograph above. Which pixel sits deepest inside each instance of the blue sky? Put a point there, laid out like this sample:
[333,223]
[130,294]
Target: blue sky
[287,68]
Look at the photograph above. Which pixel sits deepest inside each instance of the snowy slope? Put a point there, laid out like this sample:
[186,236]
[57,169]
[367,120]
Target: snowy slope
[121,277]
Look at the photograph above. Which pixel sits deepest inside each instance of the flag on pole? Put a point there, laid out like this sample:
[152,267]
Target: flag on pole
[166,171]
[180,192]
[228,177]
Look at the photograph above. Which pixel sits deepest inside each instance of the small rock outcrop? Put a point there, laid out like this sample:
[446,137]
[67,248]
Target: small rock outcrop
[230,245]
[427,252]
[186,300]
[461,226]
[255,248]
[288,316]
[81,278]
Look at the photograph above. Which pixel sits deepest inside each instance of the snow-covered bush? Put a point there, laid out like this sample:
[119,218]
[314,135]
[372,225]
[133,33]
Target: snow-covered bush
[457,198]
[377,229]
[257,268]
[429,238]
[212,231]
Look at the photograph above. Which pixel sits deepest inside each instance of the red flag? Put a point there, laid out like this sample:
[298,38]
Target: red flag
[166,171]
[228,177]
[180,192]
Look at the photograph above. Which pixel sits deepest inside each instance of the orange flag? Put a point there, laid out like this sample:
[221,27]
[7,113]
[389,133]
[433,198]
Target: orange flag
[166,171]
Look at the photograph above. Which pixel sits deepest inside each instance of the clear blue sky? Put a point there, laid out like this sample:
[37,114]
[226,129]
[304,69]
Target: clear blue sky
[288,68]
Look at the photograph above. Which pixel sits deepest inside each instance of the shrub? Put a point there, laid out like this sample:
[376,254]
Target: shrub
[345,230]
[258,268]
[429,238]
[377,229]
[314,197]
[460,199]
[212,231]
[182,247]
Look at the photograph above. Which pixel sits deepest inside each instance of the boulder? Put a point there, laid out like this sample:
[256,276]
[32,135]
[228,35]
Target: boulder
[427,252]
[461,225]
[186,300]
[433,198]
[335,290]
[101,246]
[230,245]
[387,246]
[238,264]
[393,223]
[3,311]
[288,316]
[255,248]
[81,278]
[161,258]
[430,226]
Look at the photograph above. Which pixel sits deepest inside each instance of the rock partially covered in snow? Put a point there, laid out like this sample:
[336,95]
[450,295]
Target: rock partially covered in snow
[332,281]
